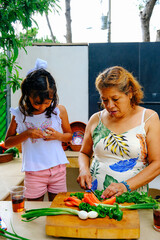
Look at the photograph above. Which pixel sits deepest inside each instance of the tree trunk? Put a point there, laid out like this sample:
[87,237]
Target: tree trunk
[52,36]
[145,16]
[68,22]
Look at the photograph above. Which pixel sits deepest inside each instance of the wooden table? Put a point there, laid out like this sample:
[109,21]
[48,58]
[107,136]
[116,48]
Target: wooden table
[35,230]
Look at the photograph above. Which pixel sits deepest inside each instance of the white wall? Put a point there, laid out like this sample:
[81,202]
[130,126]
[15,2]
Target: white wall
[69,67]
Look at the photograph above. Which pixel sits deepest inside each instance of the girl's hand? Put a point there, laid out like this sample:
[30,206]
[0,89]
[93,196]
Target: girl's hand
[51,134]
[85,179]
[114,189]
[35,133]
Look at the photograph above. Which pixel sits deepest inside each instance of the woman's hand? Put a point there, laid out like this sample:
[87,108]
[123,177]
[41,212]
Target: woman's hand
[85,179]
[114,189]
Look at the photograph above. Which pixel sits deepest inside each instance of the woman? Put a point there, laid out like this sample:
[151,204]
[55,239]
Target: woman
[124,137]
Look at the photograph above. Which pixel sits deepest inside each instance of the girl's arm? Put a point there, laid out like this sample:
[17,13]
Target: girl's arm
[13,139]
[152,170]
[66,136]
[67,132]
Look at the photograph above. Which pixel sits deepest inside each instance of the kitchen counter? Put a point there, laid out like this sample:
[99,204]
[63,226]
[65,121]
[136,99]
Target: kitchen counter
[36,229]
[10,175]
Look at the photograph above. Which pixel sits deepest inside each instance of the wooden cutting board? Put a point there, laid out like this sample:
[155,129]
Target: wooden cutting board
[99,228]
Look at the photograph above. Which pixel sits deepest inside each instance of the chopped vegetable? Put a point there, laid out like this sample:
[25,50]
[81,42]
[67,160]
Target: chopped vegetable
[109,200]
[90,198]
[13,150]
[72,201]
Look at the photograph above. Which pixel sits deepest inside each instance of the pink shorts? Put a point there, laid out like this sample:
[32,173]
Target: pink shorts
[51,180]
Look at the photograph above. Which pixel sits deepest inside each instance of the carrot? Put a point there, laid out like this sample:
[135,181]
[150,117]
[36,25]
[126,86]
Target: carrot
[95,199]
[109,200]
[72,201]
[89,198]
[69,204]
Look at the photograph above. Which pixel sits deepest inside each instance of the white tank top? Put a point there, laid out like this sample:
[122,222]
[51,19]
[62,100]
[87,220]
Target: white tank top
[118,157]
[38,154]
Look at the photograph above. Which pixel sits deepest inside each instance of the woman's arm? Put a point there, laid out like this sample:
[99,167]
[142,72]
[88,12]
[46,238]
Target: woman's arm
[152,170]
[85,154]
[13,139]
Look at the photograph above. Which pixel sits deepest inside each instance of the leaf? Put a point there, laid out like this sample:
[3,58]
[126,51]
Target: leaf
[94,170]
[99,133]
[108,180]
[117,143]
[124,165]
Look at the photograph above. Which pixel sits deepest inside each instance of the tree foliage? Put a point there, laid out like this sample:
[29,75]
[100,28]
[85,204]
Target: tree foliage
[146,10]
[12,11]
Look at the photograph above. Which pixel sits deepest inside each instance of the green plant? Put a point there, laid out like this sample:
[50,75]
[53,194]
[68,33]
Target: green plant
[12,11]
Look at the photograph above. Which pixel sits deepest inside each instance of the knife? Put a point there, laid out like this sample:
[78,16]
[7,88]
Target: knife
[91,190]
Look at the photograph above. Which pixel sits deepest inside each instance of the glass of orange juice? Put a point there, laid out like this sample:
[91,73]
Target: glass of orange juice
[18,198]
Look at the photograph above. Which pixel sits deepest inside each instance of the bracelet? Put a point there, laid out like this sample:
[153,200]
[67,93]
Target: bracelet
[127,186]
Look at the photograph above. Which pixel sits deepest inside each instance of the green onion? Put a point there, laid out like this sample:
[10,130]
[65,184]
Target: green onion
[9,235]
[32,214]
[134,206]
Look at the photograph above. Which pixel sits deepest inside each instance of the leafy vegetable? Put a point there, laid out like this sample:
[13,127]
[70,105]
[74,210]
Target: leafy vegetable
[13,150]
[79,195]
[135,197]
[103,210]
[128,197]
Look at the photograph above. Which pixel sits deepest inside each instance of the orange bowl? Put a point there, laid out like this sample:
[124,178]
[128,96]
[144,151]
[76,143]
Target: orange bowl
[78,129]
[65,146]
[6,157]
[78,126]
[75,148]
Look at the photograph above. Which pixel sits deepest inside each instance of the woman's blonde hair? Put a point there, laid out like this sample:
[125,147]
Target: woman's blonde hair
[123,80]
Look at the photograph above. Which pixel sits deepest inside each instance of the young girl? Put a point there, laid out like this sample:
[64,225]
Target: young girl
[38,123]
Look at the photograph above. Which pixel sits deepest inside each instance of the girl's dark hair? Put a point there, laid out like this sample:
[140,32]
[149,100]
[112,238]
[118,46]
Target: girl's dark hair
[39,83]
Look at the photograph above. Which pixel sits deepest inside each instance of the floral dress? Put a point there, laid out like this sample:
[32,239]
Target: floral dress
[118,157]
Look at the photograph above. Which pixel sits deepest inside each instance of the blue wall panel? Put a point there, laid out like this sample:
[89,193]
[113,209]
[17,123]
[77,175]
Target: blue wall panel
[141,59]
